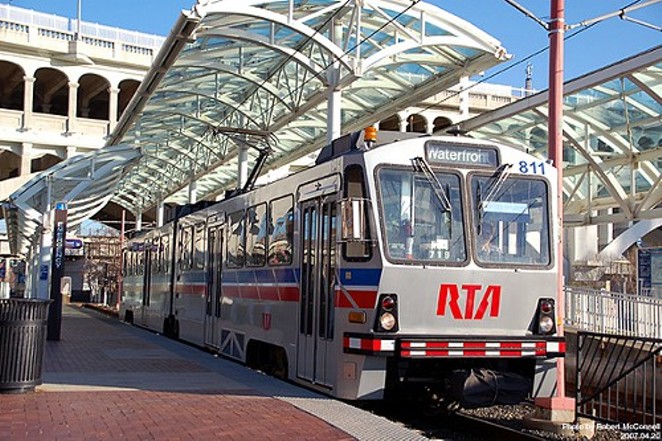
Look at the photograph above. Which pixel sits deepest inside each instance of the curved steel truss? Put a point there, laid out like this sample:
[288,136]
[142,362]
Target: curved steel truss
[259,74]
[86,183]
[612,140]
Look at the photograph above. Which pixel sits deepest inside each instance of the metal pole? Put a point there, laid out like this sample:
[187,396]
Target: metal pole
[120,277]
[555,153]
[79,20]
[334,100]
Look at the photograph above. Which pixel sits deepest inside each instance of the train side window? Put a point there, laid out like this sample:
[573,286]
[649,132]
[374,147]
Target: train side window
[140,259]
[165,254]
[156,256]
[125,263]
[235,250]
[186,245]
[256,235]
[281,225]
[199,248]
[355,188]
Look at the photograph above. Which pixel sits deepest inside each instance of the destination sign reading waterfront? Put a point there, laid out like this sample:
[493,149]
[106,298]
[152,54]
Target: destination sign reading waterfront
[440,153]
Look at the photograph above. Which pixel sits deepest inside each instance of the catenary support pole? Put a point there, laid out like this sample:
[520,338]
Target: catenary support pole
[560,408]
[555,153]
[120,273]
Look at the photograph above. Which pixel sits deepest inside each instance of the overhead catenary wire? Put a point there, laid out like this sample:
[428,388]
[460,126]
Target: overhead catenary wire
[291,56]
[586,25]
[215,130]
[323,70]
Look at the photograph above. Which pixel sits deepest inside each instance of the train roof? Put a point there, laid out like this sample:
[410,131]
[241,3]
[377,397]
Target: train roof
[353,142]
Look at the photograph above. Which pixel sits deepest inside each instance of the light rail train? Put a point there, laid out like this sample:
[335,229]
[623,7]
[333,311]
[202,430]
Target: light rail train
[407,266]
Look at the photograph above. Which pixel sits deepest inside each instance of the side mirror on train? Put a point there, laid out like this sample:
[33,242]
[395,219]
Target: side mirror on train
[354,222]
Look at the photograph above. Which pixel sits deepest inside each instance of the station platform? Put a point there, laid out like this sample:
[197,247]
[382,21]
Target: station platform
[106,380]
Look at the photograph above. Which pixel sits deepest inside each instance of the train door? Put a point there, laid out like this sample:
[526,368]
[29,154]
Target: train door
[147,281]
[316,309]
[213,300]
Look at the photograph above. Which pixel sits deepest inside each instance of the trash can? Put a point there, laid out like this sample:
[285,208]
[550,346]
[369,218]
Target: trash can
[23,325]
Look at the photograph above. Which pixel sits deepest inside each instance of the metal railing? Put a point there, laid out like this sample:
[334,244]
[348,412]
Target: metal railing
[616,378]
[613,313]
[13,17]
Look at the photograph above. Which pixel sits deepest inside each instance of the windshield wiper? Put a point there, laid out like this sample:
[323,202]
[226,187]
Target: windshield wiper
[497,180]
[420,164]
[494,185]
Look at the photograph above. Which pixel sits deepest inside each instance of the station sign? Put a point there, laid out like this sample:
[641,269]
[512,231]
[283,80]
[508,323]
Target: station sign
[459,155]
[649,272]
[73,244]
[57,271]
[73,247]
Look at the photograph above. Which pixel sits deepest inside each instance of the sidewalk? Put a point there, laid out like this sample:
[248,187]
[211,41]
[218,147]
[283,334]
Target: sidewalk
[105,380]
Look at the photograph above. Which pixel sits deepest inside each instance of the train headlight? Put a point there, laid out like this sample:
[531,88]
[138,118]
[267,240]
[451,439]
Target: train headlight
[387,321]
[546,324]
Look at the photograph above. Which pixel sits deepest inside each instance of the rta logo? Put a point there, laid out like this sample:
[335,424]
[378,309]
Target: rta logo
[449,295]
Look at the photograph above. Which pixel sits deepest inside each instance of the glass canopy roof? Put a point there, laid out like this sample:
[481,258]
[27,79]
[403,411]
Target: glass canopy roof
[86,183]
[612,139]
[257,76]
[235,79]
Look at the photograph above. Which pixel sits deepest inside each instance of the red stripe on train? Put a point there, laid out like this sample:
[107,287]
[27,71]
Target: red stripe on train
[363,299]
[260,292]
[191,289]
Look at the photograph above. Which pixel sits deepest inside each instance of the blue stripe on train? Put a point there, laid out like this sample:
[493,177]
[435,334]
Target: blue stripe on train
[348,276]
[360,277]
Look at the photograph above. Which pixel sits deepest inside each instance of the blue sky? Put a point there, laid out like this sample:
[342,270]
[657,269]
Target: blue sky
[599,46]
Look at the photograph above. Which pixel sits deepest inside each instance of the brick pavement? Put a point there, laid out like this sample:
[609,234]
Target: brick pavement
[154,415]
[107,381]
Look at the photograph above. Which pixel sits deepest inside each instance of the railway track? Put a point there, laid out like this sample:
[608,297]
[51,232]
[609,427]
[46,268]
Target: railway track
[485,429]
[460,425]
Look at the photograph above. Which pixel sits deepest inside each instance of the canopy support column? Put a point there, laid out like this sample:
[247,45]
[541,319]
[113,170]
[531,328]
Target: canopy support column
[159,214]
[242,166]
[41,276]
[42,284]
[334,106]
[192,192]
[139,221]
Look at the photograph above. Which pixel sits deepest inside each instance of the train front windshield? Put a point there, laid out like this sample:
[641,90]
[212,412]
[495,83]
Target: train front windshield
[423,218]
[511,220]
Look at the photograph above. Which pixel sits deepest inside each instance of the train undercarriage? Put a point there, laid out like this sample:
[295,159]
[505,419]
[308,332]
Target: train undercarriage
[443,385]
